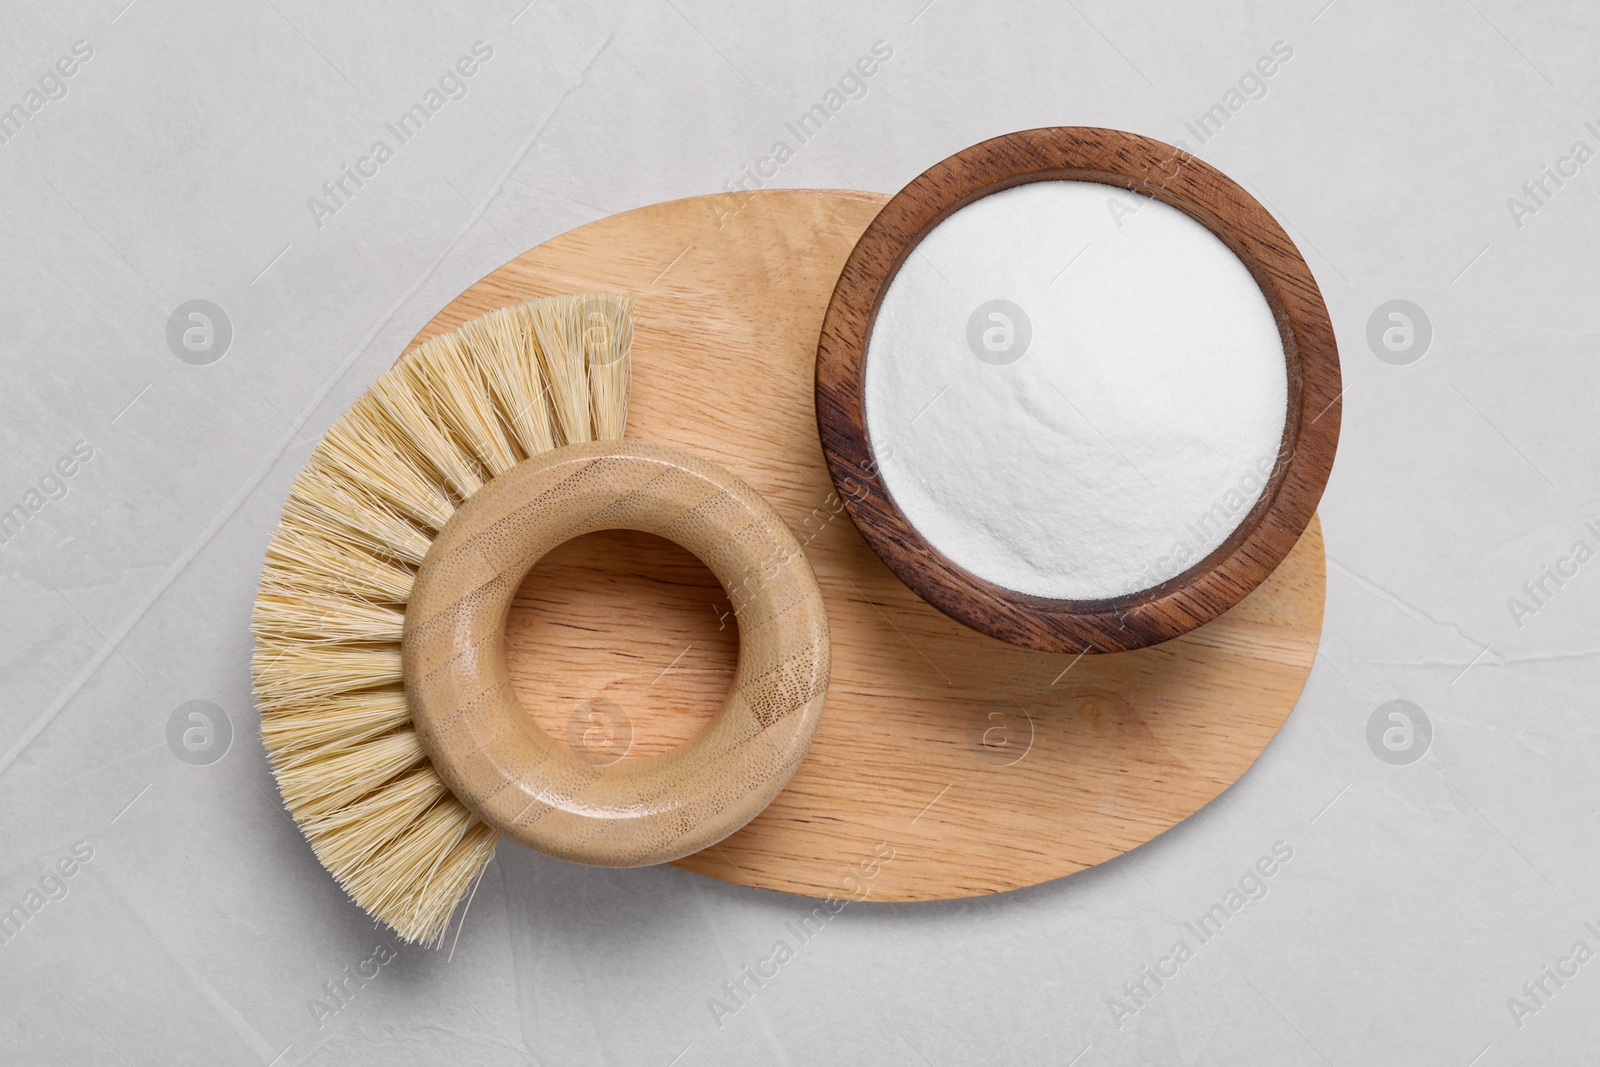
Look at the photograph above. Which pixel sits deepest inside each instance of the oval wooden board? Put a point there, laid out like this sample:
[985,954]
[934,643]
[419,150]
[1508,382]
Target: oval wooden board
[985,767]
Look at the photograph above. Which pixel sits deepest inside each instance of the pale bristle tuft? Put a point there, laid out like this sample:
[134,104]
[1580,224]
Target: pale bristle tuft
[291,673]
[322,618]
[508,351]
[558,328]
[363,447]
[320,786]
[607,330]
[329,615]
[341,721]
[454,386]
[306,559]
[403,873]
[325,501]
[411,417]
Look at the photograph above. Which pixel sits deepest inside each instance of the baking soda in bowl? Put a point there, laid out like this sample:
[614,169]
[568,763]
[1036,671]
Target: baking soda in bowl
[1074,391]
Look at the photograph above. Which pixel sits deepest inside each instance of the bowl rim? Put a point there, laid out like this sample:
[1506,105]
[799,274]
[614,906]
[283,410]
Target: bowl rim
[1263,536]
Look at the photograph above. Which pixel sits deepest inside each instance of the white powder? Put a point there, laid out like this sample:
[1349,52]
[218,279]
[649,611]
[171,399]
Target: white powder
[1134,430]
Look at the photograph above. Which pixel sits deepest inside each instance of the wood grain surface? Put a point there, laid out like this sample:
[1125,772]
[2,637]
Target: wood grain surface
[983,766]
[1264,535]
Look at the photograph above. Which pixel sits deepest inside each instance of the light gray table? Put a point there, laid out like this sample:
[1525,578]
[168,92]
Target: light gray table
[182,159]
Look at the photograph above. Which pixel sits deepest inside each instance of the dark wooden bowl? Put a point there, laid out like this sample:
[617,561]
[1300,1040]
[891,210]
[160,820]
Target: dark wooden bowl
[1310,434]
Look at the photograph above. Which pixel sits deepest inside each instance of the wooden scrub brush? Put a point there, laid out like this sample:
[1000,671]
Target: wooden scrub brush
[379,667]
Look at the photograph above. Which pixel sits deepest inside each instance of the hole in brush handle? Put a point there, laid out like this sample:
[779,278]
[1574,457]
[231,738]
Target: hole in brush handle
[517,778]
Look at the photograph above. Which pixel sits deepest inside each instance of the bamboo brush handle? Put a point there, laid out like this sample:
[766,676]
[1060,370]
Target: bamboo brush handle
[531,787]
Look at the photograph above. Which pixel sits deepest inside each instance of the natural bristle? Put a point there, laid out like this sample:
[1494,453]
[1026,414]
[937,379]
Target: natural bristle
[557,326]
[452,414]
[607,331]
